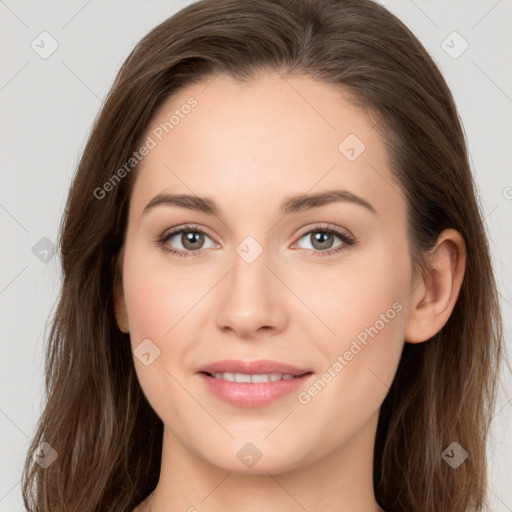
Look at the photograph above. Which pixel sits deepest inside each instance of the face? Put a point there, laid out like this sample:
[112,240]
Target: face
[251,274]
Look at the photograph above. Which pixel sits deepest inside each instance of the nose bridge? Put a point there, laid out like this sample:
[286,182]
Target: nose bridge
[250,275]
[250,299]
[250,272]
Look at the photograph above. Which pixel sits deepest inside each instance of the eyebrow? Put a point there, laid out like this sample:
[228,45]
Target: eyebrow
[293,204]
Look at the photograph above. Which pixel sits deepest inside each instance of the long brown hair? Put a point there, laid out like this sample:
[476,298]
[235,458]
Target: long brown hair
[107,437]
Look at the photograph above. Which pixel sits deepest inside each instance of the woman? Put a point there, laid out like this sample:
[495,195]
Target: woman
[277,286]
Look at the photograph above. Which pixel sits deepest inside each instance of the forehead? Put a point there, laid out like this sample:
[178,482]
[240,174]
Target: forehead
[272,136]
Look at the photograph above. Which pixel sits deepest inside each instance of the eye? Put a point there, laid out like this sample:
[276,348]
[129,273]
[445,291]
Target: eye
[191,239]
[321,239]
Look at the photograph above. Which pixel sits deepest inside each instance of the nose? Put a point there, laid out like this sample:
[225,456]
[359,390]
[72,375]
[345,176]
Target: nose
[253,299]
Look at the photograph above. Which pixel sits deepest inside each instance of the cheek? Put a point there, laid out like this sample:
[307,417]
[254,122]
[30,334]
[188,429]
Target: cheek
[157,302]
[158,296]
[363,303]
[353,294]
[369,318]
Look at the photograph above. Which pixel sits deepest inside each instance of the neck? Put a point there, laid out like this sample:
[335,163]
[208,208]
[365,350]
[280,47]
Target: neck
[339,481]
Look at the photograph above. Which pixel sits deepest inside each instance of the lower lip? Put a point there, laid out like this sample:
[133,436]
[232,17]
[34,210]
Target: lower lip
[245,394]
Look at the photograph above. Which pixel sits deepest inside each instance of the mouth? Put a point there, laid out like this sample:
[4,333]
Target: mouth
[252,384]
[252,368]
[255,378]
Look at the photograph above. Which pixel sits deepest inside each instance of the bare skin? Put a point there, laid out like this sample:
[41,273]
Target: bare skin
[249,148]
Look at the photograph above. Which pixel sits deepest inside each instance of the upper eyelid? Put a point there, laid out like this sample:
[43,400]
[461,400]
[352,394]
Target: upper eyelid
[325,226]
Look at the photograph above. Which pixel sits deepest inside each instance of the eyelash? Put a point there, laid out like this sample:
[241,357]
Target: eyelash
[164,238]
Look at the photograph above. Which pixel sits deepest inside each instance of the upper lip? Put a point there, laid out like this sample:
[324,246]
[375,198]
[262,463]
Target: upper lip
[259,367]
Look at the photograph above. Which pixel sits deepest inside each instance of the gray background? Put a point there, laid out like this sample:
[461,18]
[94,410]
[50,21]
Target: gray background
[47,110]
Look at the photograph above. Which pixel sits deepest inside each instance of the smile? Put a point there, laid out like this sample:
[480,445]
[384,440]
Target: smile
[255,379]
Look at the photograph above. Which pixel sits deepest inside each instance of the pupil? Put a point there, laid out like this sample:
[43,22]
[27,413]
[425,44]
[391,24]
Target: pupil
[321,236]
[192,238]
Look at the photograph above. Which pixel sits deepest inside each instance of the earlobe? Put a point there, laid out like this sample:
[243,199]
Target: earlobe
[434,298]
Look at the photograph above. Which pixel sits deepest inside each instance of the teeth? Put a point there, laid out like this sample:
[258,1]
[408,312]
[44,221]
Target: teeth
[240,377]
[243,377]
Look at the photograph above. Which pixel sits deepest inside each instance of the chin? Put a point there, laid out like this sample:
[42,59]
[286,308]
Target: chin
[258,458]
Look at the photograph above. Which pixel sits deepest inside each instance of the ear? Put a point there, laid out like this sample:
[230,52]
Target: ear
[435,293]
[119,302]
